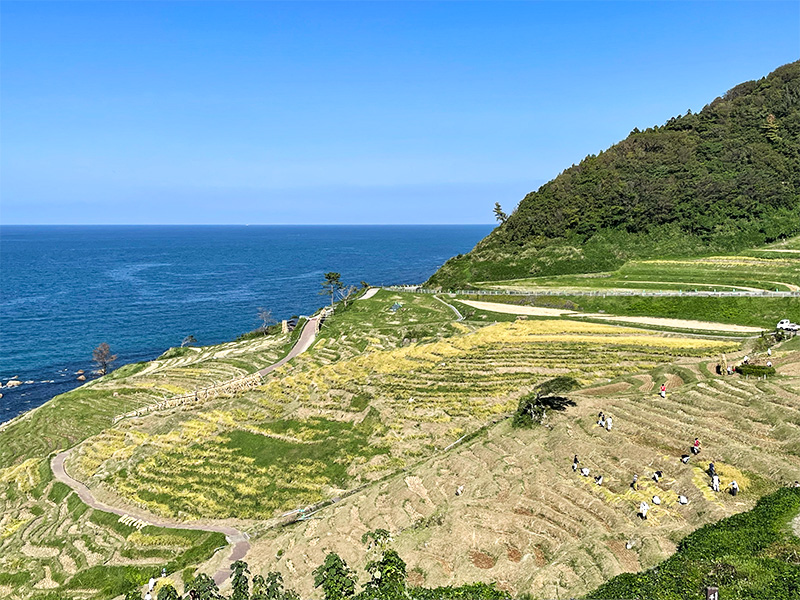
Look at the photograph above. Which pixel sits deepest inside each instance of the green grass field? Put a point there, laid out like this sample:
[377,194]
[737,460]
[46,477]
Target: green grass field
[766,271]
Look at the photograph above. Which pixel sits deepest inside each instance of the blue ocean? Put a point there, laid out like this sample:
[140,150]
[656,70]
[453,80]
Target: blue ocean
[142,289]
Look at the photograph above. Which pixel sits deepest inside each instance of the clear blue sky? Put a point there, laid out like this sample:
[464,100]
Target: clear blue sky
[202,112]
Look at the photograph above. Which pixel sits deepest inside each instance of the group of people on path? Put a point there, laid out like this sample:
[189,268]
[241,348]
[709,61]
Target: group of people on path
[605,421]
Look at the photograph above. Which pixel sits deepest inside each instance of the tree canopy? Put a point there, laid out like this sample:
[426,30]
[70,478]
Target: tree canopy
[727,177]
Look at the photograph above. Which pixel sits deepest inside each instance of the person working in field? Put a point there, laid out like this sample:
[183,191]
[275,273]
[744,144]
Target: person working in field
[663,390]
[575,463]
[696,446]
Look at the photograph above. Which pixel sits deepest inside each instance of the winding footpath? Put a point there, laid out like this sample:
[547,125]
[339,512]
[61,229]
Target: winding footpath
[238,539]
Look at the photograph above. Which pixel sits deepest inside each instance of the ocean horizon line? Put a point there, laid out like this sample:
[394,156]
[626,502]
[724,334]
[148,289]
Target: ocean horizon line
[246,224]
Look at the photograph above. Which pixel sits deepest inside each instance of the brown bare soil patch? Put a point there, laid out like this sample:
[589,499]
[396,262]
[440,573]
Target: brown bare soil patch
[415,578]
[523,511]
[513,554]
[481,560]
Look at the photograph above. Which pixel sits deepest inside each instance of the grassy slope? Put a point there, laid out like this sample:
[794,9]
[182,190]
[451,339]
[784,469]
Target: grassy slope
[754,269]
[57,532]
[48,535]
[72,417]
[755,312]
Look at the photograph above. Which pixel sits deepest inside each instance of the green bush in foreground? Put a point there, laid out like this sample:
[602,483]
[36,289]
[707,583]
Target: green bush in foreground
[749,556]
[755,370]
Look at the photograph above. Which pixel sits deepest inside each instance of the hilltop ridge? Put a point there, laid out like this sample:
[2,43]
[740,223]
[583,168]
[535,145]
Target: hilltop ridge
[719,180]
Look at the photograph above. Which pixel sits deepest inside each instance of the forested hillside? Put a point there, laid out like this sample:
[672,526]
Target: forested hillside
[722,179]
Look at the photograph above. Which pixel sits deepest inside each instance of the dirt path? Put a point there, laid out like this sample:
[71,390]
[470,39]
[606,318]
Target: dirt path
[716,285]
[234,536]
[792,287]
[676,323]
[513,309]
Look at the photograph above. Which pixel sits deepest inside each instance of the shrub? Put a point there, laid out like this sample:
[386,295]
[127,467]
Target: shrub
[755,370]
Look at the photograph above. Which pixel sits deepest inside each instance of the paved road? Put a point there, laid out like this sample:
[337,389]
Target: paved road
[307,337]
[235,537]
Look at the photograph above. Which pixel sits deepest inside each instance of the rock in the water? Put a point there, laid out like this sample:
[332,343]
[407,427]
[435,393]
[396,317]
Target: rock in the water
[81,377]
[13,383]
[79,372]
[30,381]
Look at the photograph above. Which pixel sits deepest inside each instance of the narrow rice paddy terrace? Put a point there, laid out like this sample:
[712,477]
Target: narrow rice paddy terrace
[526,521]
[402,403]
[774,268]
[309,434]
[49,539]
[71,417]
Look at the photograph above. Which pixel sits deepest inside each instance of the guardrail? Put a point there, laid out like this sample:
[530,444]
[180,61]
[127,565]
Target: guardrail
[602,293]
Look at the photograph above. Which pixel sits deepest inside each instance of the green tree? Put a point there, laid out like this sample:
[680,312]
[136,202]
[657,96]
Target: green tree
[133,594]
[204,588]
[331,285]
[335,578]
[271,588]
[379,538]
[239,582]
[387,576]
[167,592]
[501,216]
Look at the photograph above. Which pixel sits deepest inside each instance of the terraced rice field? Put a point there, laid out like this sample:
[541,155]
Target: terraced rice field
[526,521]
[310,433]
[71,417]
[49,539]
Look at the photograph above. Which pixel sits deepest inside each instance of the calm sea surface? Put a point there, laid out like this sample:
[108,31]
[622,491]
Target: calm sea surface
[142,289]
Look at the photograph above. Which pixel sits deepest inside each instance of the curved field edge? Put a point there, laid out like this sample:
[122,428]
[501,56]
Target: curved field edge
[50,539]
